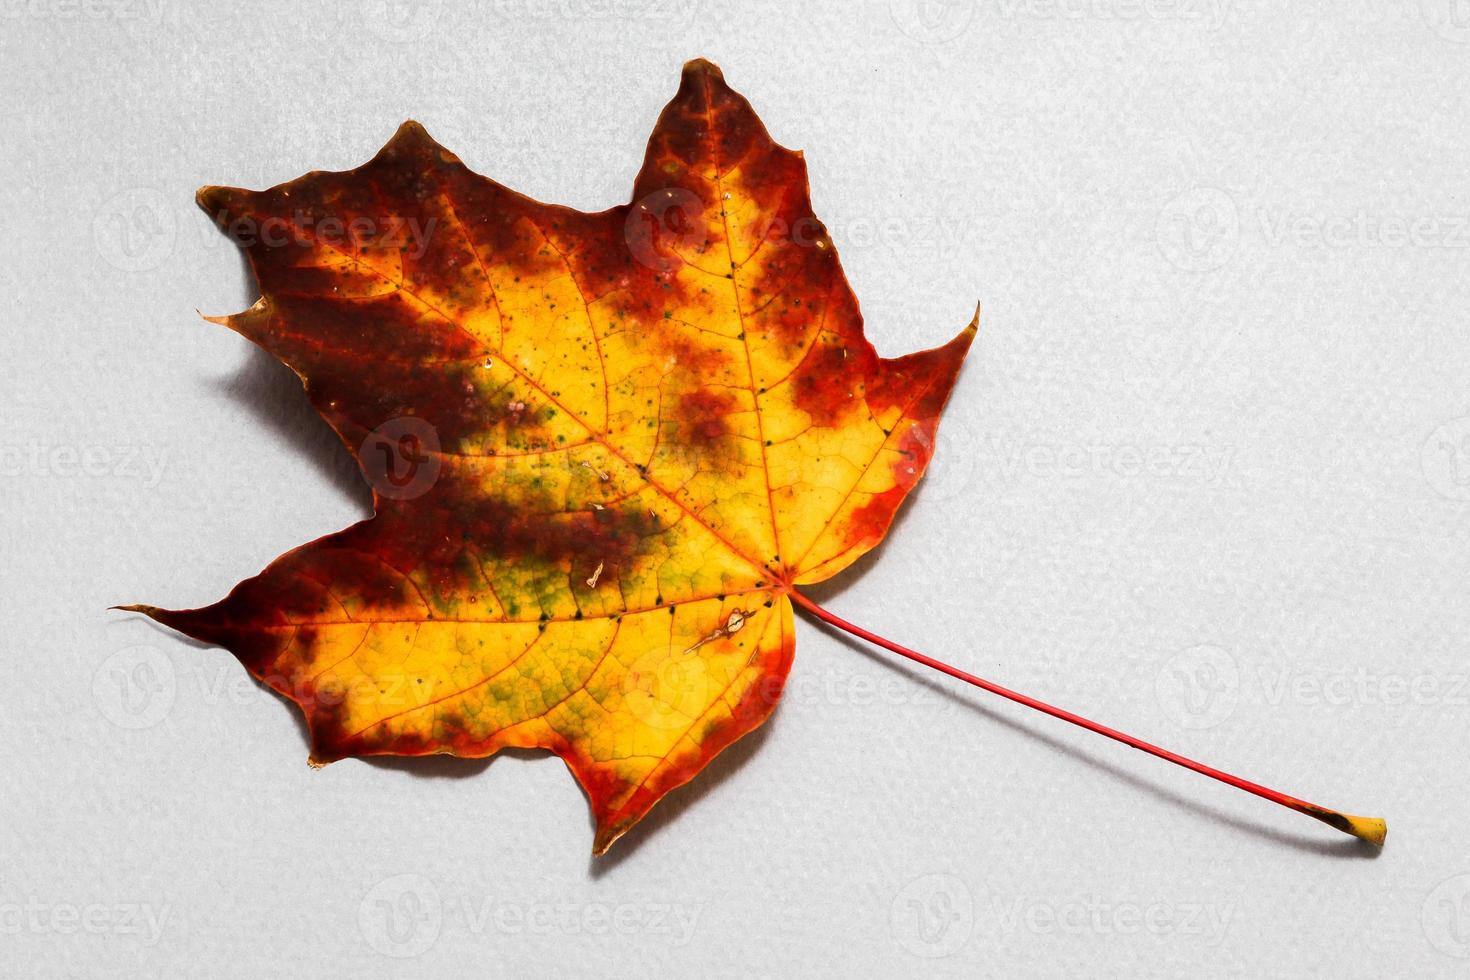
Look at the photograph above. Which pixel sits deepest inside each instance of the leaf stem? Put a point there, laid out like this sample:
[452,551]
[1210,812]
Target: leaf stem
[1370,829]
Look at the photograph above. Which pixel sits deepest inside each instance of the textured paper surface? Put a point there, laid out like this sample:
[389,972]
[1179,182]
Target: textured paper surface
[1206,478]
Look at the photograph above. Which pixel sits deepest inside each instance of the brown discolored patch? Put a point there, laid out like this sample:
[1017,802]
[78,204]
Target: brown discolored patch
[698,362]
[400,563]
[701,415]
[831,382]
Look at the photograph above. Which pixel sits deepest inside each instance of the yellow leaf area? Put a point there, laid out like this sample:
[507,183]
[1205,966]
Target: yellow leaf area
[604,448]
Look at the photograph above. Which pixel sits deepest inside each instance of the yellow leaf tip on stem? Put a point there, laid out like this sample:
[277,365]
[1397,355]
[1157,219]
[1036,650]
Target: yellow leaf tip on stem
[1371,829]
[1374,830]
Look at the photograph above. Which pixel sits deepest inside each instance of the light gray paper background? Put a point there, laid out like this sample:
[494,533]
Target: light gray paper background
[1206,477]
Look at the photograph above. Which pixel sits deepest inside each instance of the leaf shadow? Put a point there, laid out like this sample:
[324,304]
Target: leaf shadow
[441,766]
[168,631]
[1340,848]
[821,592]
[273,394]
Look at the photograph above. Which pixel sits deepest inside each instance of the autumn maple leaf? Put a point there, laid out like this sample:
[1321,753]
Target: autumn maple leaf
[604,450]
[603,447]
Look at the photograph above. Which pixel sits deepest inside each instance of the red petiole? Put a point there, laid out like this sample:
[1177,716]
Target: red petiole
[1370,829]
